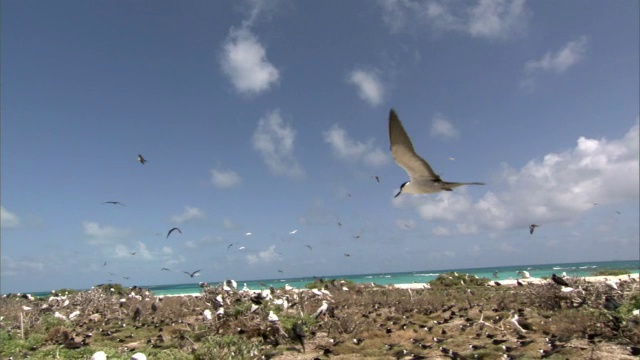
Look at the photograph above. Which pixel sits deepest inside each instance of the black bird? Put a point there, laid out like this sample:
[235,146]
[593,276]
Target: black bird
[347,255]
[113,202]
[195,273]
[141,159]
[611,304]
[498,341]
[634,350]
[172,229]
[558,280]
[165,269]
[309,246]
[298,334]
[497,283]
[133,253]
[532,227]
[376,177]
[230,245]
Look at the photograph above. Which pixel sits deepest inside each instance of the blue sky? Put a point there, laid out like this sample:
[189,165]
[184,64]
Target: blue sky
[269,117]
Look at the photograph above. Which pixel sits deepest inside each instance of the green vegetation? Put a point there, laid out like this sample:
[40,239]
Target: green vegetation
[452,280]
[611,272]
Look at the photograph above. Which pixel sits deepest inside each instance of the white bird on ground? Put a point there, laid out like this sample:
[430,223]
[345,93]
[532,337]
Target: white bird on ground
[207,314]
[100,355]
[272,317]
[288,287]
[59,316]
[321,310]
[245,288]
[139,356]
[422,179]
[219,299]
[220,311]
[26,308]
[316,292]
[610,283]
[74,314]
[524,274]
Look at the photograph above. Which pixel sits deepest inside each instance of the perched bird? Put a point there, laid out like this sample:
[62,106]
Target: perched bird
[532,227]
[114,203]
[172,230]
[141,159]
[192,274]
[321,310]
[611,303]
[272,317]
[558,280]
[422,179]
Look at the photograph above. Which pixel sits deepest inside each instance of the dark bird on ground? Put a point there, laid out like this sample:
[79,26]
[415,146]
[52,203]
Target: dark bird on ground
[165,269]
[558,280]
[309,246]
[136,314]
[532,227]
[611,303]
[141,159]
[192,274]
[114,203]
[377,178]
[298,334]
[498,341]
[519,283]
[496,283]
[422,178]
[634,350]
[172,230]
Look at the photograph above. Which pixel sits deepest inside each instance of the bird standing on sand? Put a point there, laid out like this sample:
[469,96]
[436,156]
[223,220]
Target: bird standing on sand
[532,227]
[192,274]
[141,159]
[558,280]
[422,179]
[172,230]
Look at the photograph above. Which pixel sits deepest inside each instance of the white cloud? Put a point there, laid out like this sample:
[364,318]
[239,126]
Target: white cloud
[440,126]
[562,59]
[167,250]
[225,179]
[244,61]
[487,19]
[558,188]
[102,234]
[348,149]
[189,214]
[141,252]
[12,267]
[229,224]
[8,219]
[370,88]
[267,256]
[274,140]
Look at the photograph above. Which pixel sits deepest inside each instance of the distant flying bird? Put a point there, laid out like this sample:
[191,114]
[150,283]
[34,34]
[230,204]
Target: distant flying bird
[192,274]
[293,232]
[422,179]
[105,264]
[452,158]
[280,271]
[558,280]
[241,248]
[141,159]
[347,255]
[172,230]
[532,227]
[114,203]
[339,223]
[230,245]
[309,246]
[376,177]
[133,253]
[247,234]
[165,269]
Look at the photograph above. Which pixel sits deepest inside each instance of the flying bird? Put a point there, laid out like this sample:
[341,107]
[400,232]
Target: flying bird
[230,245]
[422,179]
[309,246]
[376,177]
[293,232]
[247,234]
[165,269]
[192,274]
[241,248]
[114,203]
[532,227]
[141,159]
[347,255]
[133,253]
[172,230]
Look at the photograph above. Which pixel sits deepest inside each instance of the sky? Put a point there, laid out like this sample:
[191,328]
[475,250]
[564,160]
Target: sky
[271,118]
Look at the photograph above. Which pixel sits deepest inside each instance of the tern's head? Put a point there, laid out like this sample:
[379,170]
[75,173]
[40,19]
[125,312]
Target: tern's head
[401,187]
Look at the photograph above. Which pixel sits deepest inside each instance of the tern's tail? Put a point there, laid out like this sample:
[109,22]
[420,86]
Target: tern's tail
[449,186]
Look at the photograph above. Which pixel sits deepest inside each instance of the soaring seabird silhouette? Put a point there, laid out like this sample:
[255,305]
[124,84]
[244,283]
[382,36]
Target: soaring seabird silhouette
[532,227]
[114,203]
[376,177]
[192,274]
[230,245]
[170,231]
[309,246]
[141,159]
[422,179]
[166,269]
[558,280]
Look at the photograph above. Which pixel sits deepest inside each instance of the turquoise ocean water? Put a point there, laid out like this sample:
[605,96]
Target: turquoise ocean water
[504,272]
[424,276]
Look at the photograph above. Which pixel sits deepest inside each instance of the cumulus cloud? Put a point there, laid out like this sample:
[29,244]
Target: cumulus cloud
[440,126]
[561,60]
[557,188]
[244,61]
[274,140]
[141,252]
[267,256]
[8,219]
[225,179]
[102,234]
[487,19]
[346,148]
[368,83]
[12,267]
[189,214]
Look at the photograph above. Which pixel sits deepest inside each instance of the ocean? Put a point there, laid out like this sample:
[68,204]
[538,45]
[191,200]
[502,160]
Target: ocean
[502,272]
[505,272]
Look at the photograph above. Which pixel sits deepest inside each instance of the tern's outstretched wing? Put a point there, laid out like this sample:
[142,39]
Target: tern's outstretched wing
[404,154]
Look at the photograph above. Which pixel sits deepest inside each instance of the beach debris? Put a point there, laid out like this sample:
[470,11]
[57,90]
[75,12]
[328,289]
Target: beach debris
[422,178]
[172,230]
